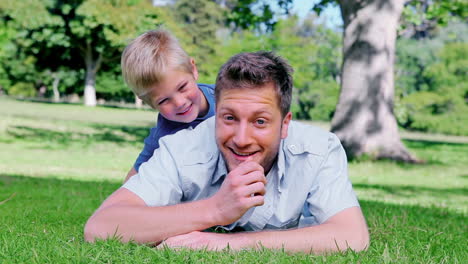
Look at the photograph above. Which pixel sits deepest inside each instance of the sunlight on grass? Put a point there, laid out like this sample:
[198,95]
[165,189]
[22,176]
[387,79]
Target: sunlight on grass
[59,162]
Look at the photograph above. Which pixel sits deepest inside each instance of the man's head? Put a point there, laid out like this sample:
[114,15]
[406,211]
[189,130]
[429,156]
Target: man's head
[253,94]
[161,73]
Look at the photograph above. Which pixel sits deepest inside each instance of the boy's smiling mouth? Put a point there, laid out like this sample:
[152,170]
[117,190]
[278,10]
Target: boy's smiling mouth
[186,110]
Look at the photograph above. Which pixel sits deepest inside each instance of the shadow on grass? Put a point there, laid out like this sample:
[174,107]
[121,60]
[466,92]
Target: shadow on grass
[106,133]
[412,191]
[432,152]
[422,144]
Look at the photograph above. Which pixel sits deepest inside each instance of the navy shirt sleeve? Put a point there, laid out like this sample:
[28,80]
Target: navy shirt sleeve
[165,127]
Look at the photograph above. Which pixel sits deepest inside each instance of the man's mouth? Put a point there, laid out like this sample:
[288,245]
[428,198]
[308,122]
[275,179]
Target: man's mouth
[241,154]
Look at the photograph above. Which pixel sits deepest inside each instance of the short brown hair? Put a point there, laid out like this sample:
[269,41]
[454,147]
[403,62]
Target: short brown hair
[146,59]
[254,69]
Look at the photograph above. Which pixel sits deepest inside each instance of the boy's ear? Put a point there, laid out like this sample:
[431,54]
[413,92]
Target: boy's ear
[194,69]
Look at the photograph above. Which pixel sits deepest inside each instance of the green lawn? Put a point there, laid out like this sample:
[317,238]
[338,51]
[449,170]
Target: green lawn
[58,162]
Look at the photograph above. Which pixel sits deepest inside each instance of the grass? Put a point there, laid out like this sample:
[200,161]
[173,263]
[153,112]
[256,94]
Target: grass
[59,162]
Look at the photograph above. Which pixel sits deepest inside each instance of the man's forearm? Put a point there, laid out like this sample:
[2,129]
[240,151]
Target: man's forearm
[308,240]
[346,229]
[335,235]
[143,224]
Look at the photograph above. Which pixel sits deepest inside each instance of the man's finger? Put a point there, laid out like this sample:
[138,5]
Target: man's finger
[247,166]
[255,189]
[253,177]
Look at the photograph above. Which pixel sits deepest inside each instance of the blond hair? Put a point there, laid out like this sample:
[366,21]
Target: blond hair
[147,58]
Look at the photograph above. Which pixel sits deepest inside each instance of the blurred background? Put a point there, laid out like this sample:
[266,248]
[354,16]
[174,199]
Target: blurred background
[51,50]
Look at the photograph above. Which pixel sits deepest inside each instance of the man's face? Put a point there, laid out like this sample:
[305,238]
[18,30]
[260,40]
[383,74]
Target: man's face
[249,125]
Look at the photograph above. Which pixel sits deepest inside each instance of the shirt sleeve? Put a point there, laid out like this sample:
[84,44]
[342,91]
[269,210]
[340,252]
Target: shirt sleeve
[332,190]
[157,183]
[151,143]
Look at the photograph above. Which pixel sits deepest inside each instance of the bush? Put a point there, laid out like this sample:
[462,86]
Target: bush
[22,89]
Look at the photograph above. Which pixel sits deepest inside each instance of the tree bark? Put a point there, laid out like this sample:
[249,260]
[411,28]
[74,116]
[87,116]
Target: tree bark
[138,102]
[92,66]
[364,119]
[55,84]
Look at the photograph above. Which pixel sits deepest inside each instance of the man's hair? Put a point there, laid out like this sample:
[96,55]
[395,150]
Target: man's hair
[147,58]
[251,70]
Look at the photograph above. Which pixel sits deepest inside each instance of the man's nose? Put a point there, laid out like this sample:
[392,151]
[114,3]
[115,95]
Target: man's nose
[242,137]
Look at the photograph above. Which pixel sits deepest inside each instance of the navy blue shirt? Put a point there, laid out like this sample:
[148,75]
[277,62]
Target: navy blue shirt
[166,127]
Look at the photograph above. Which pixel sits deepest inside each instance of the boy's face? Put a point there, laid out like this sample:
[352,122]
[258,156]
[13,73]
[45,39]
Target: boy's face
[178,98]
[250,126]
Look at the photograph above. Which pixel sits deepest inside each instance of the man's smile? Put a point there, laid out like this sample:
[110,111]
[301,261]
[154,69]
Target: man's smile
[242,154]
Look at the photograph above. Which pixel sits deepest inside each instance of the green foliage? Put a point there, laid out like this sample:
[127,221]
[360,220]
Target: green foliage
[110,85]
[199,21]
[64,38]
[423,17]
[314,53]
[439,104]
[22,89]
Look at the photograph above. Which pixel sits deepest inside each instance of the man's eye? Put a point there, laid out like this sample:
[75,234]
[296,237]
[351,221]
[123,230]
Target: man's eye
[229,118]
[260,121]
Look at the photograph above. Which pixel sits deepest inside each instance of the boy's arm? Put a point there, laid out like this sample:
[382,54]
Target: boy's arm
[130,173]
[151,143]
[125,215]
[346,229]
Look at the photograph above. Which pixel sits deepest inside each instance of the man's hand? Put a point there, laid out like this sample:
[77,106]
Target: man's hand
[200,240]
[243,188]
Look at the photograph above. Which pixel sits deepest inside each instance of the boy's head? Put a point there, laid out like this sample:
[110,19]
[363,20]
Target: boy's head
[161,73]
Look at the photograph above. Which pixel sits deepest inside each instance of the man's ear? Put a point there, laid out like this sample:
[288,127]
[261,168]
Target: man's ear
[194,69]
[285,124]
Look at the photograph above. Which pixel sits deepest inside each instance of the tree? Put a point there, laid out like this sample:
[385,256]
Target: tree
[93,30]
[196,23]
[364,119]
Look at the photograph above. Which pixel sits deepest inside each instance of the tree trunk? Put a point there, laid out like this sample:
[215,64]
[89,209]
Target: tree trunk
[55,90]
[90,89]
[92,66]
[138,102]
[364,119]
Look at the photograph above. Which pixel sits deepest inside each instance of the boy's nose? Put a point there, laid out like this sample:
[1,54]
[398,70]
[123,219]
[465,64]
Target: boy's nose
[179,101]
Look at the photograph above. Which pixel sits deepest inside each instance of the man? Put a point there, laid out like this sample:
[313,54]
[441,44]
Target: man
[285,182]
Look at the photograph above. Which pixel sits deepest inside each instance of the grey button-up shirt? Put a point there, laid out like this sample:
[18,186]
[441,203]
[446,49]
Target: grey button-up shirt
[307,185]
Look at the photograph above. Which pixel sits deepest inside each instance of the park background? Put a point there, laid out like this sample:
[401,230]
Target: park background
[59,158]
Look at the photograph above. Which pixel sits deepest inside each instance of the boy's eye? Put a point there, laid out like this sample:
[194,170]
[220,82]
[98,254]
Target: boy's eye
[183,87]
[162,101]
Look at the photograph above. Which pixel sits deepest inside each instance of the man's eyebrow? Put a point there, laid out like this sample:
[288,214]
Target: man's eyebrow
[257,112]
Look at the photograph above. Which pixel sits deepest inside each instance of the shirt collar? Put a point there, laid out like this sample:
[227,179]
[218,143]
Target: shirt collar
[281,164]
[220,171]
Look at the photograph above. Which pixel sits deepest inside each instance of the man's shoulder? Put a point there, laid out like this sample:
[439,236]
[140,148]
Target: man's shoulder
[191,141]
[308,138]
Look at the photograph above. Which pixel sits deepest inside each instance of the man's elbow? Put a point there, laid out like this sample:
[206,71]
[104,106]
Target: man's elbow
[360,240]
[92,231]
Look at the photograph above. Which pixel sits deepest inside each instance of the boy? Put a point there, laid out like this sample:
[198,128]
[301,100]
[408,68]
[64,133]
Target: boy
[161,74]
